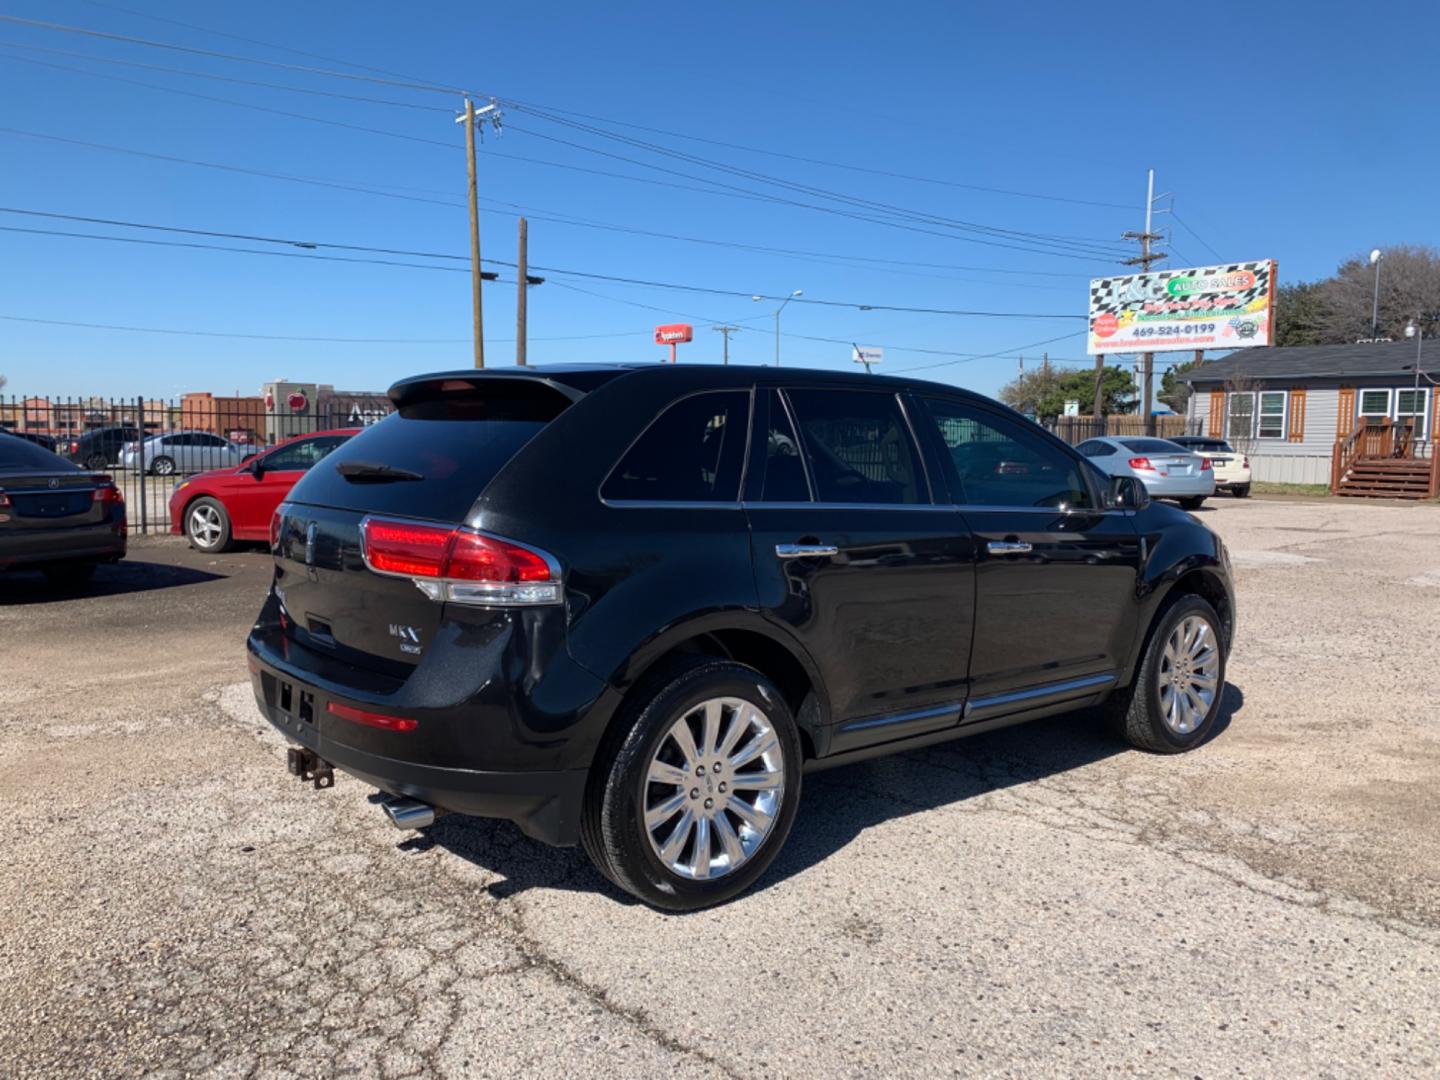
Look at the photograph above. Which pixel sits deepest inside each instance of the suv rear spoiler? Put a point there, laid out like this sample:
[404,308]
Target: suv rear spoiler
[572,383]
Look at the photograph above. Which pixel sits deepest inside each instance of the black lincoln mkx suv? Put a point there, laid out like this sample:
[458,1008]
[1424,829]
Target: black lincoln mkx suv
[631,606]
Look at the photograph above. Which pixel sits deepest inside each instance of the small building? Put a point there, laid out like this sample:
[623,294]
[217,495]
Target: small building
[1357,418]
[240,419]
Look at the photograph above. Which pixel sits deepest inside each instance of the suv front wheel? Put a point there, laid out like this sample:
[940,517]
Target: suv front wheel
[1172,703]
[697,789]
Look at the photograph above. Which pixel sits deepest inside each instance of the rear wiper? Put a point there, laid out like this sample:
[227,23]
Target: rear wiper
[368,472]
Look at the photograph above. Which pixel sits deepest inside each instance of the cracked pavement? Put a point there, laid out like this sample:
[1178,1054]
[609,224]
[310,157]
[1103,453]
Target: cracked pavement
[1036,901]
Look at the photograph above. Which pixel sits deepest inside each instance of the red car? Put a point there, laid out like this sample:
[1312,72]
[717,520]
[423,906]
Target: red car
[216,508]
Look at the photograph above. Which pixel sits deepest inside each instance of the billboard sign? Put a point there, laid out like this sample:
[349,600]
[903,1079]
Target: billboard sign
[674,333]
[1206,307]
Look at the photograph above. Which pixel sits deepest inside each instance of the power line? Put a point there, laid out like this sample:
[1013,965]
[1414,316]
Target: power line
[818,161]
[292,337]
[811,190]
[308,70]
[1182,223]
[225,78]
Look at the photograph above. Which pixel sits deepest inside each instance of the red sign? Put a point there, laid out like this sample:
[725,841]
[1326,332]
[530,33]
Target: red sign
[674,334]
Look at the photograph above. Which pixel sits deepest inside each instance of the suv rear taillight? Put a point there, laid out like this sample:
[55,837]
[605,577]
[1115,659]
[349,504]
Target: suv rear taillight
[1246,460]
[460,565]
[4,499]
[74,447]
[1141,464]
[275,520]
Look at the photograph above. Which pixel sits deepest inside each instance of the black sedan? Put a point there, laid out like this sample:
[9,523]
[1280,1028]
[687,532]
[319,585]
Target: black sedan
[55,516]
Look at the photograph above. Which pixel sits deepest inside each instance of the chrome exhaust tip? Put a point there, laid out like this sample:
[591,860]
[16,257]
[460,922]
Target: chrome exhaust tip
[409,813]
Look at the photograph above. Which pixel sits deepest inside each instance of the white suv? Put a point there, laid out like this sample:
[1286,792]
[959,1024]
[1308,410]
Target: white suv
[1232,469]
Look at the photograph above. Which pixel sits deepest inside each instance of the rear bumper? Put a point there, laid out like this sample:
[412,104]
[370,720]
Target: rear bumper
[546,805]
[1179,487]
[102,542]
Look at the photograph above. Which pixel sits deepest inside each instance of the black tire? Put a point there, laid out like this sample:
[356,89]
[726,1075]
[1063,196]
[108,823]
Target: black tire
[612,825]
[1193,503]
[1241,491]
[69,575]
[163,466]
[96,462]
[217,541]
[1135,712]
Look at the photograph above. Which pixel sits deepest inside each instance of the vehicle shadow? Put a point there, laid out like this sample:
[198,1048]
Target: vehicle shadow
[838,805]
[20,587]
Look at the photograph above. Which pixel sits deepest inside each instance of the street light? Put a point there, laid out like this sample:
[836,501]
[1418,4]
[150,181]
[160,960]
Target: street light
[1375,305]
[792,296]
[1414,328]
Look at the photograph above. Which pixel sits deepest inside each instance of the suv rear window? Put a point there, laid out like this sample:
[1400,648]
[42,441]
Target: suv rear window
[447,445]
[692,452]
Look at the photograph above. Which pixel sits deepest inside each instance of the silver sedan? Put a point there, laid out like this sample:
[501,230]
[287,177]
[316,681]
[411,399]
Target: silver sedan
[1167,470]
[182,452]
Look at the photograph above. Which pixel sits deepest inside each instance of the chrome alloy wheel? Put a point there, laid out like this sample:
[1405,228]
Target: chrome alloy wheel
[714,788]
[205,525]
[1189,674]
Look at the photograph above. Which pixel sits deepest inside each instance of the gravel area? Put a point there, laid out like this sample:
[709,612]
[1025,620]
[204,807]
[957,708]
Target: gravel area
[1037,901]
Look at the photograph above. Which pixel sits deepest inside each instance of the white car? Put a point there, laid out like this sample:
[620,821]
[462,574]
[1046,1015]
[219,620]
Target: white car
[1232,469]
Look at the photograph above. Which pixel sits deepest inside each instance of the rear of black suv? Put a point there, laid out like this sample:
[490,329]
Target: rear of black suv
[407,645]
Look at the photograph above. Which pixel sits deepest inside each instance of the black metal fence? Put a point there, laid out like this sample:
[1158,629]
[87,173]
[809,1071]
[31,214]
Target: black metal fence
[150,445]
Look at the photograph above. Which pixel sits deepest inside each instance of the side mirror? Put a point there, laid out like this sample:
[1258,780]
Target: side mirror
[1128,493]
[255,465]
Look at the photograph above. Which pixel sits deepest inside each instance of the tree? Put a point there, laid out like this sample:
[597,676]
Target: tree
[1043,391]
[1301,314]
[1409,287]
[1173,392]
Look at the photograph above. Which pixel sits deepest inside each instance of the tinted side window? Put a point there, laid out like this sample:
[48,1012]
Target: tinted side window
[19,453]
[784,479]
[859,447]
[691,452]
[1002,463]
[1095,448]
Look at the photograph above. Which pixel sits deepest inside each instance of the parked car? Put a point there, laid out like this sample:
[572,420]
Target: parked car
[1232,468]
[631,607]
[99,448]
[216,508]
[55,516]
[1167,470]
[183,452]
[45,441]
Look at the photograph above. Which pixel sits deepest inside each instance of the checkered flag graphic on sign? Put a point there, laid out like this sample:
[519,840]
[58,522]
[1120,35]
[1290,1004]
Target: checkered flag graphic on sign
[1115,296]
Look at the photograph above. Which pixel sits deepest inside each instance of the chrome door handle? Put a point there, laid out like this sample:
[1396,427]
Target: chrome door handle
[806,551]
[1007,547]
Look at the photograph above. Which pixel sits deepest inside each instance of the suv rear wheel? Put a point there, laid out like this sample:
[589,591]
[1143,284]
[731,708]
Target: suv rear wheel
[697,789]
[1172,703]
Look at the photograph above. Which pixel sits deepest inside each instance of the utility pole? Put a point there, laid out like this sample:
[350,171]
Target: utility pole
[1144,260]
[727,330]
[490,112]
[522,291]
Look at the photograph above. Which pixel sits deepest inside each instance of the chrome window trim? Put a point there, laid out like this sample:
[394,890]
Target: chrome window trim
[661,504]
[928,507]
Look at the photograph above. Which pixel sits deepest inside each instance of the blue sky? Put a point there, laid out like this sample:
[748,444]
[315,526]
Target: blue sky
[1304,139]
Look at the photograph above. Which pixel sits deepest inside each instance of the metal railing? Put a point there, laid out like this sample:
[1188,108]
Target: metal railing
[150,444]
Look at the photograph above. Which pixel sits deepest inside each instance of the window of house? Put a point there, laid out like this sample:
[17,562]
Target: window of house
[692,452]
[1240,416]
[1272,414]
[1375,404]
[1411,409]
[859,447]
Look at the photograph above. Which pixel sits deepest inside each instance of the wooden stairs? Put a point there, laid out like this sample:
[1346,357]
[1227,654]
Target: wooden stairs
[1379,460]
[1387,478]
